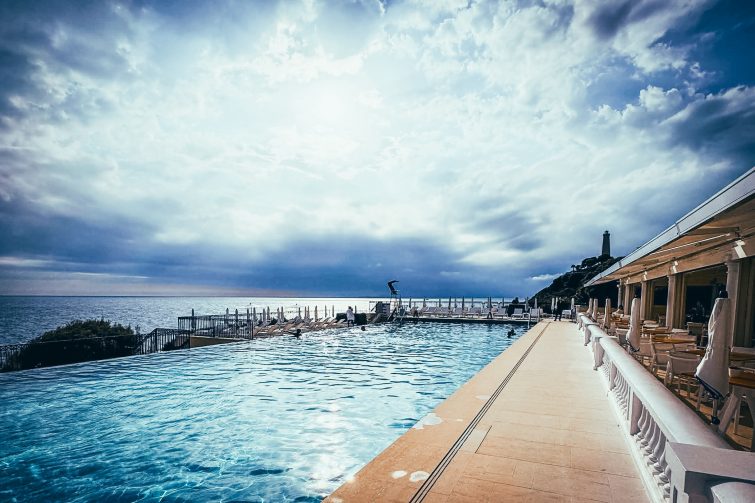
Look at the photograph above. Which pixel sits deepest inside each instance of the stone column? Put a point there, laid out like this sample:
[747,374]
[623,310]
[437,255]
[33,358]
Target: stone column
[628,295]
[732,287]
[644,300]
[671,301]
[619,294]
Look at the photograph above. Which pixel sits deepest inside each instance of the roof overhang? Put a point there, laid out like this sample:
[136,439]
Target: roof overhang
[718,230]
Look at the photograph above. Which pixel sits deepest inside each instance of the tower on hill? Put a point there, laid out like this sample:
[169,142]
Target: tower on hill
[606,244]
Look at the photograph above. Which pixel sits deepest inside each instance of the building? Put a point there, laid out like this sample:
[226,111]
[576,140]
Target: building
[682,269]
[606,250]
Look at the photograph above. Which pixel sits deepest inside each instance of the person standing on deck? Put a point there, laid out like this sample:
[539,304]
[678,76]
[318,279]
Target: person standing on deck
[349,317]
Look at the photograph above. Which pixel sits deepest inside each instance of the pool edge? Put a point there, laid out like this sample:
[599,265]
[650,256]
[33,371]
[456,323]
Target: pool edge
[399,471]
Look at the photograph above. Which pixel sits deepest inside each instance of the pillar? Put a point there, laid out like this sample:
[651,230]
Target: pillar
[619,294]
[644,299]
[732,287]
[627,300]
[671,301]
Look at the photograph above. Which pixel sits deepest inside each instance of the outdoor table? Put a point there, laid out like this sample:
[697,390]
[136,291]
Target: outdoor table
[734,356]
[742,388]
[656,331]
[672,340]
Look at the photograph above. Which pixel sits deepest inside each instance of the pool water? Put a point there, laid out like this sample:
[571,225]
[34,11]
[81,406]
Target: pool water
[281,419]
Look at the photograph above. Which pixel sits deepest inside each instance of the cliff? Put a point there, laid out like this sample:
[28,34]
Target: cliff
[571,284]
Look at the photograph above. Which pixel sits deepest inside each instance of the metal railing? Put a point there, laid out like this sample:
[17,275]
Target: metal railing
[52,353]
[218,326]
[669,438]
[451,303]
[444,308]
[244,325]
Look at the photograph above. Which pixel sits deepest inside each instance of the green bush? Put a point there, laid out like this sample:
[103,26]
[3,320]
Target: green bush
[78,329]
[78,341]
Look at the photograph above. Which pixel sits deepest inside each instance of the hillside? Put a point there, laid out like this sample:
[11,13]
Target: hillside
[571,284]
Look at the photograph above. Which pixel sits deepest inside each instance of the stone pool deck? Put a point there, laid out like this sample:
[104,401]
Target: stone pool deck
[533,425]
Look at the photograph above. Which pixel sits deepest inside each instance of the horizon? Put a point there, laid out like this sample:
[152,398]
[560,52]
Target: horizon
[313,149]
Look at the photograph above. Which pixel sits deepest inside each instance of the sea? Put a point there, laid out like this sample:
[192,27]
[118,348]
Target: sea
[23,318]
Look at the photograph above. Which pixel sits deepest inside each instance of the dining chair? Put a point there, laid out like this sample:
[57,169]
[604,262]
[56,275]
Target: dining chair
[681,368]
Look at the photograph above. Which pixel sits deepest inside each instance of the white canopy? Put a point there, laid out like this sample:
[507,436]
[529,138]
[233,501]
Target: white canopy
[713,370]
[633,336]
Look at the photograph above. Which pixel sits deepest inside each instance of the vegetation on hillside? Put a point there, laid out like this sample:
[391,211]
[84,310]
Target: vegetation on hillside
[79,329]
[77,341]
[571,284]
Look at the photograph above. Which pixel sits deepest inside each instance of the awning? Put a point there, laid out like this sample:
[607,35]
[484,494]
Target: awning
[708,235]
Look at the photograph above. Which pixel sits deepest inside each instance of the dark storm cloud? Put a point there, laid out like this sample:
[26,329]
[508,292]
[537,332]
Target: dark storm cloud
[14,71]
[717,38]
[29,232]
[516,229]
[334,264]
[322,265]
[609,18]
[68,38]
[719,125]
[361,266]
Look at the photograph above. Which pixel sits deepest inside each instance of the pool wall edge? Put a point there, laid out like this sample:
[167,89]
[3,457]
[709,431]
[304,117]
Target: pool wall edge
[397,473]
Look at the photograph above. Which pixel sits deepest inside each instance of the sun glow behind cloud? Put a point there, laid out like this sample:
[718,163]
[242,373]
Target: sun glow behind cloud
[299,145]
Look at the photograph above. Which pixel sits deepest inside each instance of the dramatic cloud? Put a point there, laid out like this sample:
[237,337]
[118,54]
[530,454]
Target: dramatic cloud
[325,147]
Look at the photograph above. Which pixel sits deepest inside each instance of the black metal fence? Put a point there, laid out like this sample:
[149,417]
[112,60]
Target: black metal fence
[218,325]
[47,354]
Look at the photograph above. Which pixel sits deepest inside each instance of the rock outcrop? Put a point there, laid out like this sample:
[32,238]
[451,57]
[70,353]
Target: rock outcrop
[571,284]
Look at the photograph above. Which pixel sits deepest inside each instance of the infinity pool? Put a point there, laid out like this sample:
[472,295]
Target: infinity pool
[279,419]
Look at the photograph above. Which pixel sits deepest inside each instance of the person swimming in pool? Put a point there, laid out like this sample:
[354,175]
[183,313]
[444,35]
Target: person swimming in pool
[510,333]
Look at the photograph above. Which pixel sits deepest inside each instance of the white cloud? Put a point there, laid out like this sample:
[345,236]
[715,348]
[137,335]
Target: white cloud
[545,277]
[430,109]
[8,261]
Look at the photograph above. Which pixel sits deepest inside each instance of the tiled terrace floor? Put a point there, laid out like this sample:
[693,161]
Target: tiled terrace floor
[549,435]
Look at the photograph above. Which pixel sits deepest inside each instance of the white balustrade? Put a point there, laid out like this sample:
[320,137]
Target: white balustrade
[669,438]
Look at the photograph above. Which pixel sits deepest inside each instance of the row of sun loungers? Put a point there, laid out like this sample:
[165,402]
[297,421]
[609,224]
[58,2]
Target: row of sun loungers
[268,329]
[291,326]
[474,312]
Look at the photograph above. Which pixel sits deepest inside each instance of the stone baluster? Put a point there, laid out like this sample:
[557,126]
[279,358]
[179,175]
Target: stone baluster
[642,425]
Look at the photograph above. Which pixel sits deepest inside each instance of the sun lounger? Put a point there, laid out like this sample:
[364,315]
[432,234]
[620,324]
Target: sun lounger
[518,314]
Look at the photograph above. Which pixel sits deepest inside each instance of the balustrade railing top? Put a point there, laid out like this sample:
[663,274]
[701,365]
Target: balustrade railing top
[670,439]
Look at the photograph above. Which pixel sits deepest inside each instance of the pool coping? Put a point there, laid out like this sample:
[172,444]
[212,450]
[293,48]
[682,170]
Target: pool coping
[408,468]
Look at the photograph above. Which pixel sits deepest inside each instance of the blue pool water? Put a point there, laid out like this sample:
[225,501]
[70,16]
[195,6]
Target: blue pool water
[266,420]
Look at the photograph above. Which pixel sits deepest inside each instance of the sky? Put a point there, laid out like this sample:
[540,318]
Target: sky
[314,148]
